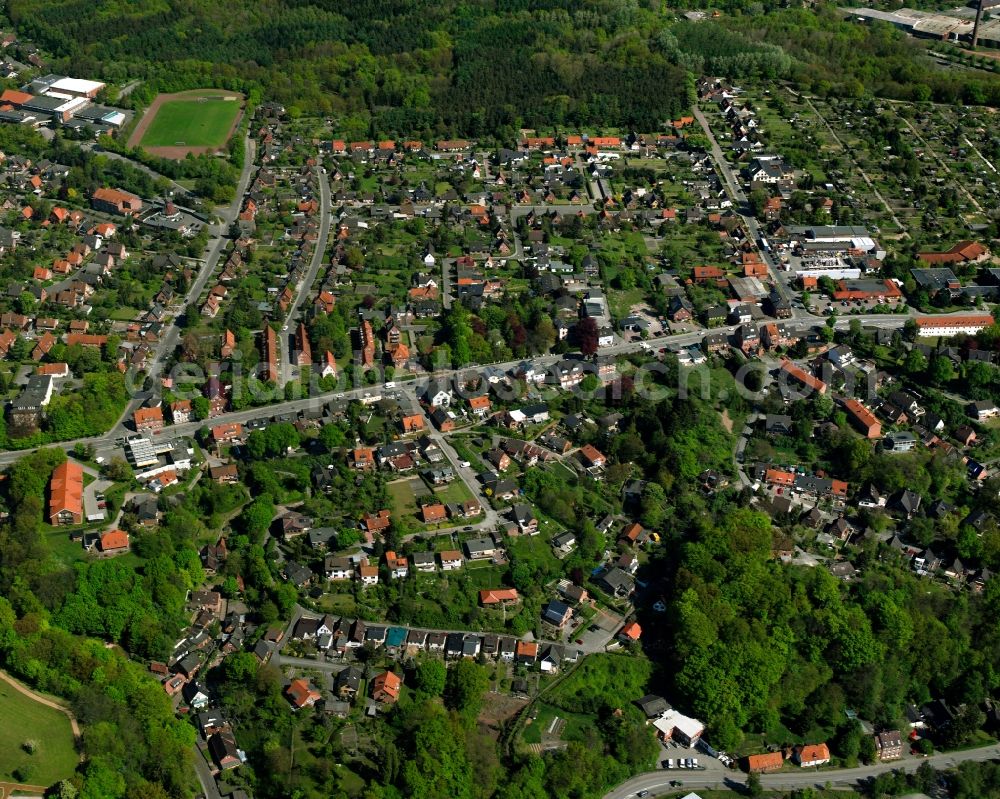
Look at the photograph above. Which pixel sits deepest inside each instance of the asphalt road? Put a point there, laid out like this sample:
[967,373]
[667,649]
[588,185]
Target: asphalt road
[305,286]
[105,445]
[658,782]
[740,198]
[216,246]
[208,785]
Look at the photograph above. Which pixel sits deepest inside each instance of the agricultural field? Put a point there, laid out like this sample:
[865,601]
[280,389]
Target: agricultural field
[54,756]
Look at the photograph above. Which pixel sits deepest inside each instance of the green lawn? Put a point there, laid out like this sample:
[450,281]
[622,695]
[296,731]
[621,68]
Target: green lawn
[455,491]
[125,314]
[66,551]
[572,730]
[622,301]
[404,503]
[55,757]
[341,604]
[198,122]
[533,549]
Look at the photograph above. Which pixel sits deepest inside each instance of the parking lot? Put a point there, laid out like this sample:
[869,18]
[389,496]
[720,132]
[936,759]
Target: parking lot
[670,751]
[93,499]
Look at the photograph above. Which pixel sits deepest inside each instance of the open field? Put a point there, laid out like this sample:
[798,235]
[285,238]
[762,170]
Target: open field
[55,757]
[197,121]
[404,499]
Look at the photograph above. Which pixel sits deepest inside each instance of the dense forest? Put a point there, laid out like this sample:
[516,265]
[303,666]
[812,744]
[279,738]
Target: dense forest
[411,68]
[835,57]
[400,67]
[57,620]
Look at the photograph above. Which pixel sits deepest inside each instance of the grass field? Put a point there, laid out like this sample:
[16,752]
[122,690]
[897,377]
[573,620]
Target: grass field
[404,502]
[453,492]
[572,728]
[55,757]
[199,122]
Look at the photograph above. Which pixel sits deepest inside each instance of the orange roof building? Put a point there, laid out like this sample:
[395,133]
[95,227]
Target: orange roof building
[15,98]
[592,455]
[812,755]
[886,290]
[802,377]
[53,369]
[66,494]
[116,201]
[86,340]
[498,596]
[863,418]
[148,419]
[362,458]
[229,431]
[373,523]
[269,344]
[631,631]
[301,694]
[963,252]
[399,354]
[705,273]
[633,533]
[386,686]
[433,513]
[412,423]
[367,343]
[479,404]
[114,541]
[779,477]
[526,651]
[398,566]
[228,344]
[769,761]
[953,325]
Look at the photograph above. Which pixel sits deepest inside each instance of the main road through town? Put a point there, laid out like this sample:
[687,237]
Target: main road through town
[106,444]
[658,782]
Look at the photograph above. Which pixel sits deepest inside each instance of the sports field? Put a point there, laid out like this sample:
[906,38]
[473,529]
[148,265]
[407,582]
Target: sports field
[196,121]
[54,757]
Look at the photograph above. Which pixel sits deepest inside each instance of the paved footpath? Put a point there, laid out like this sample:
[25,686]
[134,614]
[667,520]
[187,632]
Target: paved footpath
[23,791]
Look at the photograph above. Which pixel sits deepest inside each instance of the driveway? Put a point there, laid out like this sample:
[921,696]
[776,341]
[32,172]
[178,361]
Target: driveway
[90,492]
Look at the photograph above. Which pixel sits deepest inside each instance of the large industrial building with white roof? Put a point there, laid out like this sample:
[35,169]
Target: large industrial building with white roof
[60,100]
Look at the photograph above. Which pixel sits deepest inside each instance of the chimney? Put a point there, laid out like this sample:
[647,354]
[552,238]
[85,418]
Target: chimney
[979,18]
[169,209]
